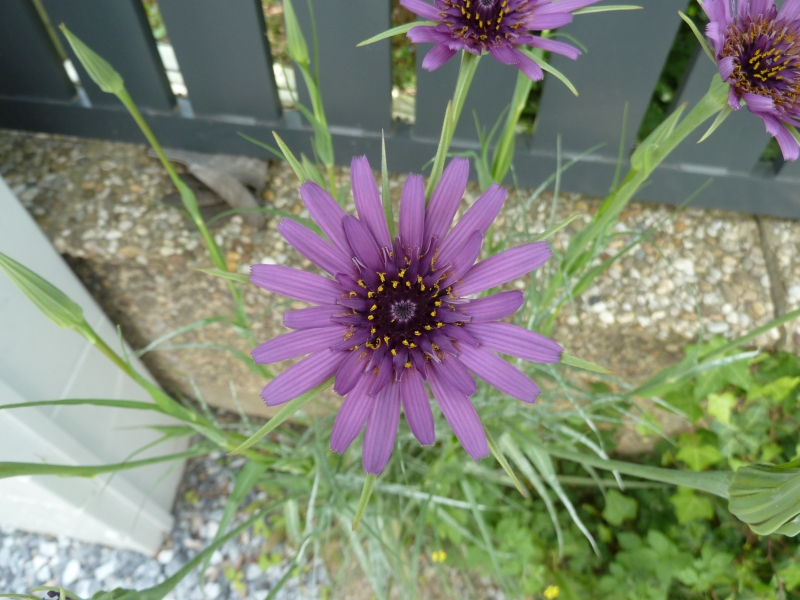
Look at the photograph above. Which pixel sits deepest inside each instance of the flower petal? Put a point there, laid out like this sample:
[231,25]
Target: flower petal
[314,248]
[368,201]
[516,341]
[553,21]
[504,267]
[563,6]
[479,217]
[427,34]
[446,198]
[352,416]
[417,407]
[512,56]
[785,139]
[297,343]
[362,243]
[499,373]
[412,211]
[423,9]
[381,430]
[313,316]
[296,284]
[464,260]
[494,307]
[437,56]
[327,214]
[460,414]
[351,371]
[556,46]
[758,104]
[726,66]
[302,377]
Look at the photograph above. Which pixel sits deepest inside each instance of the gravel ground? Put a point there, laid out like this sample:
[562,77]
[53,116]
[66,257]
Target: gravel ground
[246,567]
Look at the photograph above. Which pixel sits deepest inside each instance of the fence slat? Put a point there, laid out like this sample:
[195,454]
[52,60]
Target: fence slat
[489,94]
[223,78]
[347,72]
[736,145]
[118,31]
[29,63]
[626,52]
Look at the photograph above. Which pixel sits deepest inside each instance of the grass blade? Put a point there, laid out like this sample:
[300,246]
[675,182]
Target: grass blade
[571,361]
[405,28]
[498,454]
[366,492]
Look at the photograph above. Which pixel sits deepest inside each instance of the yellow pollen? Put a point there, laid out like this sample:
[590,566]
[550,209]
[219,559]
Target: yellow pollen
[422,287]
[370,294]
[437,303]
[417,333]
[434,346]
[428,327]
[386,338]
[439,325]
[394,284]
[412,345]
[361,283]
[433,313]
[370,318]
[382,276]
[402,273]
[352,294]
[408,284]
[394,352]
[373,330]
[348,335]
[405,342]
[407,365]
[354,348]
[380,288]
[374,307]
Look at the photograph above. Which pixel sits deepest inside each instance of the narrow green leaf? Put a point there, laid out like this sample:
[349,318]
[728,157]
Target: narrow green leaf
[287,411]
[793,130]
[102,73]
[700,37]
[566,359]
[395,31]
[180,330]
[253,140]
[295,41]
[498,454]
[290,158]
[51,301]
[366,492]
[723,114]
[549,69]
[130,404]
[312,171]
[16,469]
[556,228]
[240,277]
[385,196]
[598,9]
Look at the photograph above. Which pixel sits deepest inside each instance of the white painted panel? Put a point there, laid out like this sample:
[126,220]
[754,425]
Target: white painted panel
[39,361]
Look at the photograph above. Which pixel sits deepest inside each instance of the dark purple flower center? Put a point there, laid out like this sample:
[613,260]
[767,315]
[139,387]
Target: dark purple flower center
[766,58]
[481,23]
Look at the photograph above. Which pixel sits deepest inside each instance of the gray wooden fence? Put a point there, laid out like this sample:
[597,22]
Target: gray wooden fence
[226,63]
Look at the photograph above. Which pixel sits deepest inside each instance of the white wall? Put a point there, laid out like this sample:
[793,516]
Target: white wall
[39,361]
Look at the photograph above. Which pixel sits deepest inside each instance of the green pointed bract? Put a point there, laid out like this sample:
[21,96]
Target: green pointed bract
[102,73]
[53,303]
[295,42]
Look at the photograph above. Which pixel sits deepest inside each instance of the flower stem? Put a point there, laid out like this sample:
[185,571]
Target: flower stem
[469,62]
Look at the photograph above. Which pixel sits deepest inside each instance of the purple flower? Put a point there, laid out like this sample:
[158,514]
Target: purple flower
[757,48]
[396,313]
[494,26]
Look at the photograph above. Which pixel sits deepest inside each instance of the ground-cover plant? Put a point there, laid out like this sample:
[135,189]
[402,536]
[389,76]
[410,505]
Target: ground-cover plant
[521,518]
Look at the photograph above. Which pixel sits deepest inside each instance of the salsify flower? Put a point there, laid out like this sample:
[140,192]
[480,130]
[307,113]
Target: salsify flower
[757,48]
[396,313]
[494,26]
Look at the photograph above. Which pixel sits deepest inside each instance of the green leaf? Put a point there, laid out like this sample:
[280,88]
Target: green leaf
[790,576]
[267,147]
[690,507]
[369,483]
[699,457]
[556,228]
[619,508]
[405,28]
[240,277]
[102,73]
[386,198]
[720,406]
[721,116]
[700,37]
[767,498]
[287,411]
[295,41]
[777,390]
[571,361]
[17,469]
[290,158]
[51,301]
[549,69]
[130,404]
[498,454]
[597,9]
